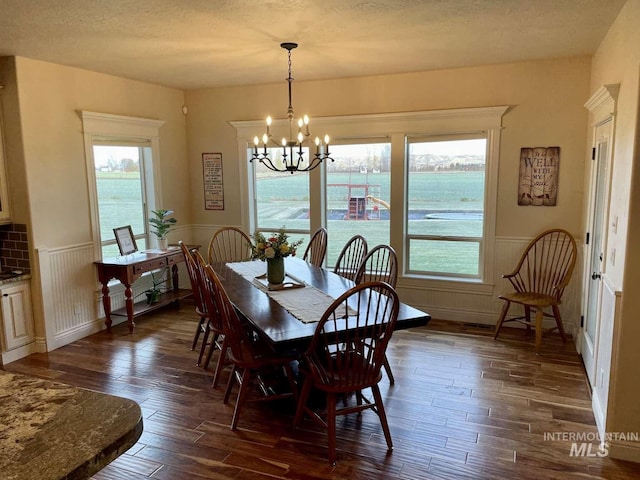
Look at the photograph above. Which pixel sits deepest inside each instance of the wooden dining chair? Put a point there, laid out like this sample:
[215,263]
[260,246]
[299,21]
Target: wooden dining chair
[249,356]
[317,248]
[229,244]
[381,265]
[351,257]
[539,280]
[213,335]
[198,299]
[338,365]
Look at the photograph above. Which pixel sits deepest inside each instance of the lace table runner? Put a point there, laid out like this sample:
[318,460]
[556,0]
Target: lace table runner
[306,304]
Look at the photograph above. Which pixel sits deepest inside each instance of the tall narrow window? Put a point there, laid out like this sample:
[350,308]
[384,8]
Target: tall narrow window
[358,196]
[445,198]
[121,193]
[120,153]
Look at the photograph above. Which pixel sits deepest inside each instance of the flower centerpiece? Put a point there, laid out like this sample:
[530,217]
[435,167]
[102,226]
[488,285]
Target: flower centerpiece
[161,222]
[273,250]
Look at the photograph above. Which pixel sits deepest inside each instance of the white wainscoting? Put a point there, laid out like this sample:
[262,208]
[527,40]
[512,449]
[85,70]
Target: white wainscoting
[470,304]
[68,284]
[72,295]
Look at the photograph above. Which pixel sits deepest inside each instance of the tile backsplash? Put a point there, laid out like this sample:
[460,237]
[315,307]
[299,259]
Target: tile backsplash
[14,247]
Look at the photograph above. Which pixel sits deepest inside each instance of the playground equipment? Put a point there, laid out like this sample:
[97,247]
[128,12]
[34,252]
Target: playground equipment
[358,200]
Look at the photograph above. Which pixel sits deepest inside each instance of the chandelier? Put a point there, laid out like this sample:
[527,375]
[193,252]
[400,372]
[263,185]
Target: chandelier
[292,148]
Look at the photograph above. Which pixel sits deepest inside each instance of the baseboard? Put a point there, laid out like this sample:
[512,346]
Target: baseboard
[598,412]
[18,353]
[624,450]
[77,333]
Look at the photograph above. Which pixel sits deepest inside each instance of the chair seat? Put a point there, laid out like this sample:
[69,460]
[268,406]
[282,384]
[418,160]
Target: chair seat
[530,298]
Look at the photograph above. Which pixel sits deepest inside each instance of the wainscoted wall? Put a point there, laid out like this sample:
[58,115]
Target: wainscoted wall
[480,304]
[68,282]
[72,295]
[73,308]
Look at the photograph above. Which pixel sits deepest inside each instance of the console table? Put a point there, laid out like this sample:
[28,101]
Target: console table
[127,269]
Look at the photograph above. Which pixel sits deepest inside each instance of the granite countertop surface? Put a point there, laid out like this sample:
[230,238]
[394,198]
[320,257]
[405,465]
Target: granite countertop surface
[10,277]
[49,430]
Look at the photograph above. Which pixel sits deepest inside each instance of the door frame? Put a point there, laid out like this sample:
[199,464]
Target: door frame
[602,109]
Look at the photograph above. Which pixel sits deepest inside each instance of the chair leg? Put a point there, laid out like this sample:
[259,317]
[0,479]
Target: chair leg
[539,317]
[527,317]
[221,359]
[387,368]
[198,331]
[383,416]
[556,315]
[503,315]
[242,395]
[302,402]
[292,381]
[205,339]
[232,379]
[212,348]
[331,426]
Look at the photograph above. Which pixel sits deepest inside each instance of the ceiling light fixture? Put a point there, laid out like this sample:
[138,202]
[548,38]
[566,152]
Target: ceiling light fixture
[293,161]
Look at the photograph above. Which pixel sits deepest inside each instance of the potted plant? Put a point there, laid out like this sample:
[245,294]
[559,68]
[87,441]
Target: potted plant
[161,223]
[158,279]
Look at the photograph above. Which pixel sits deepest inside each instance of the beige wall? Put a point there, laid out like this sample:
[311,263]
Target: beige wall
[546,100]
[50,97]
[547,109]
[618,61]
[46,158]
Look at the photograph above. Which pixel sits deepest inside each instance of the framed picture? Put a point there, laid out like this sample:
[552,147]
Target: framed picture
[213,184]
[125,239]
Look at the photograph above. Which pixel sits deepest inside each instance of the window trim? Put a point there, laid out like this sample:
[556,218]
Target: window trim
[103,127]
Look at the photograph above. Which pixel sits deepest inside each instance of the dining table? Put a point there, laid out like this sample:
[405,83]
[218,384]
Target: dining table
[286,317]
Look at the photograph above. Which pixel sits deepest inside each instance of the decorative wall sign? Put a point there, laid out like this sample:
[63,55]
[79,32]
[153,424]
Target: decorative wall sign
[538,180]
[213,185]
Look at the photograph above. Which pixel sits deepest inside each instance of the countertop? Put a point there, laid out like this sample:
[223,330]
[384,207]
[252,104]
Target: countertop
[49,430]
[9,277]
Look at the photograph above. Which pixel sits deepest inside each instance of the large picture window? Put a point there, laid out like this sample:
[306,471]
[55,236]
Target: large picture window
[424,183]
[445,198]
[358,194]
[282,199]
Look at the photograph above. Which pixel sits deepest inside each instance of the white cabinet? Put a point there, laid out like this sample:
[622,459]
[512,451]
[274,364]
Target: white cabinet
[5,214]
[17,318]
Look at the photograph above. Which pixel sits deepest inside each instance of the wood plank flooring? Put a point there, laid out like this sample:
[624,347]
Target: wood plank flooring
[463,407]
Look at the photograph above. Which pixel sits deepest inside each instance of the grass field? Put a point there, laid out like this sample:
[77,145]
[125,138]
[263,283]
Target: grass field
[285,202]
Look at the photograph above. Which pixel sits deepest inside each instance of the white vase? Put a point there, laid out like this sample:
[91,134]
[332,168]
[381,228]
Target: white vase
[163,244]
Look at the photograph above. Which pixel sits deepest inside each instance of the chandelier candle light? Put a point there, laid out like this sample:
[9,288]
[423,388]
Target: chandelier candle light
[294,160]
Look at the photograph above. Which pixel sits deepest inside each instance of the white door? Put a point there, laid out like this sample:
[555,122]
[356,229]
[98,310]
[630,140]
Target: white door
[594,261]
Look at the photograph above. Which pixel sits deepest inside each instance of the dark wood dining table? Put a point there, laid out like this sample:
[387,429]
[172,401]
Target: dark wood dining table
[281,330]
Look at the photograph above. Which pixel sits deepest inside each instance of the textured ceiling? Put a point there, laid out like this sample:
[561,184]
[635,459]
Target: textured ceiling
[202,43]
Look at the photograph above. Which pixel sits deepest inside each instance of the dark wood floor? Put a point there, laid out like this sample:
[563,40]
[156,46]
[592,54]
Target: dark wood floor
[463,407]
